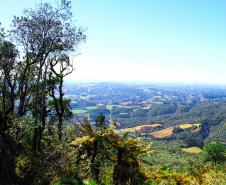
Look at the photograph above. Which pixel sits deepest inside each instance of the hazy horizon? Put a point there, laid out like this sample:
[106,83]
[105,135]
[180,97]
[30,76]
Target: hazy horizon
[161,83]
[146,41]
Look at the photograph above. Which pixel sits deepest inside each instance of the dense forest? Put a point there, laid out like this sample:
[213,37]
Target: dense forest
[40,143]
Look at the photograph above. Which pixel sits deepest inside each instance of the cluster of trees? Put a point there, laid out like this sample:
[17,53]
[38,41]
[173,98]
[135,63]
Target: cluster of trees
[214,152]
[32,84]
[211,116]
[101,147]
[35,147]
[32,74]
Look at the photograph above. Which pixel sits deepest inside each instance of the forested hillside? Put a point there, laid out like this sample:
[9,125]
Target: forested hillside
[131,105]
[52,133]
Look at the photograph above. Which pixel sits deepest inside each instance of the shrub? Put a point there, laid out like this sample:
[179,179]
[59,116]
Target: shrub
[22,166]
[214,152]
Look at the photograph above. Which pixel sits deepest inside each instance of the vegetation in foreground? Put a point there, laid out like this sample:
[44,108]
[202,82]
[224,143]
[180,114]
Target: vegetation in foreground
[35,145]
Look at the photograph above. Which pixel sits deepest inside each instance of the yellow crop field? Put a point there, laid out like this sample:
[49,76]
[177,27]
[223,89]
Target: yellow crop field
[188,125]
[138,128]
[163,133]
[169,131]
[192,150]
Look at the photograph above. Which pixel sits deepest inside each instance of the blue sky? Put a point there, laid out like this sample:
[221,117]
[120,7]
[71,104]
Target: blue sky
[146,40]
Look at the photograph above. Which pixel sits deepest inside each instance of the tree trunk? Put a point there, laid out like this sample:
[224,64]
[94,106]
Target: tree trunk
[61,113]
[95,166]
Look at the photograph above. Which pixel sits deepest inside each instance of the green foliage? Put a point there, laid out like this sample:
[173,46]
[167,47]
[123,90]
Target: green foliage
[172,178]
[23,166]
[206,173]
[33,109]
[72,180]
[92,182]
[39,148]
[23,132]
[107,174]
[8,51]
[162,110]
[169,156]
[104,147]
[100,121]
[57,183]
[189,138]
[217,133]
[214,152]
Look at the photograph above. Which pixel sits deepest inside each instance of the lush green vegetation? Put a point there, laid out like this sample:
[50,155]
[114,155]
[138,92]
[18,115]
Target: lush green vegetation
[79,111]
[92,107]
[133,105]
[214,152]
[39,147]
